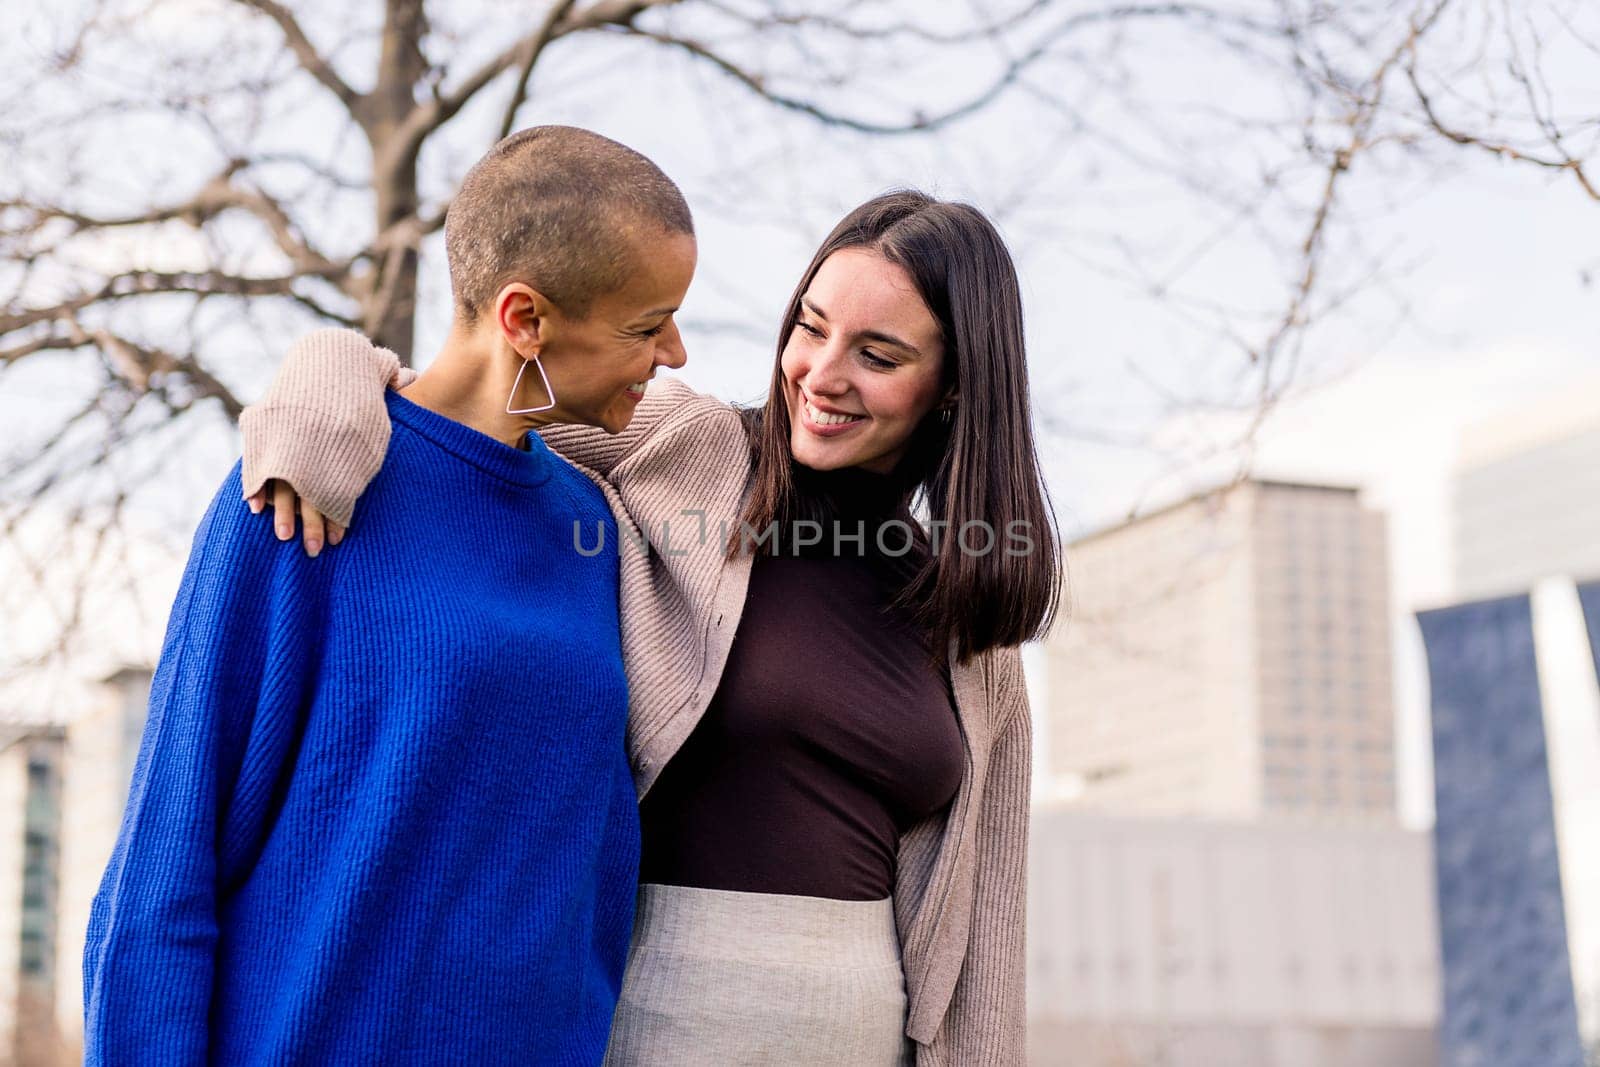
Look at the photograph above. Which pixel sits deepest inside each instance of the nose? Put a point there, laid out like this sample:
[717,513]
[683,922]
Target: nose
[825,372]
[669,350]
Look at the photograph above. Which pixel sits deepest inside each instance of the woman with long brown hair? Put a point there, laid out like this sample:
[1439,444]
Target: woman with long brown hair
[821,603]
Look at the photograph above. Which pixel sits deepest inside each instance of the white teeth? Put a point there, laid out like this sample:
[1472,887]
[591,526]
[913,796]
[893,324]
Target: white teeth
[822,418]
[639,387]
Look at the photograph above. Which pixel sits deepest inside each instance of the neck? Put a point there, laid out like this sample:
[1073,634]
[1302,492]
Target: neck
[852,492]
[469,382]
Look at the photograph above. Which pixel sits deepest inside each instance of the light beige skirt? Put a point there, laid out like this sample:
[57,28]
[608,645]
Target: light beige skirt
[730,979]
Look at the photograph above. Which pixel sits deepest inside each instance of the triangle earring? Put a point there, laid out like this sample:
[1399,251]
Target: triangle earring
[518,384]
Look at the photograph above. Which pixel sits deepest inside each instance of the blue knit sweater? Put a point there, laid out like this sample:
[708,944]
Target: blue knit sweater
[382,812]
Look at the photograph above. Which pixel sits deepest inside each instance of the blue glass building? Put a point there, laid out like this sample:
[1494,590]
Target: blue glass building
[1506,975]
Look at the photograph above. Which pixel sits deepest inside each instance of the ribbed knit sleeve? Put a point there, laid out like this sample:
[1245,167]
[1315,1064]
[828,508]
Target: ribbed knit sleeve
[987,1020]
[322,426]
[224,706]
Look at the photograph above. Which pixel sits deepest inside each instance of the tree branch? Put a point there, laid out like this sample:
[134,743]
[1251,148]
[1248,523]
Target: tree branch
[139,365]
[1563,162]
[757,84]
[311,61]
[222,193]
[1015,67]
[1360,122]
[136,283]
[535,46]
[430,116]
[48,342]
[316,168]
[1113,13]
[142,368]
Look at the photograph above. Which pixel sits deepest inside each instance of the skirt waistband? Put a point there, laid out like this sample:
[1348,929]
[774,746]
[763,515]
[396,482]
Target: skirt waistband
[765,927]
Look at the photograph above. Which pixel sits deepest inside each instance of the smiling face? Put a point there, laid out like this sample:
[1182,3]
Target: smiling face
[862,366]
[598,364]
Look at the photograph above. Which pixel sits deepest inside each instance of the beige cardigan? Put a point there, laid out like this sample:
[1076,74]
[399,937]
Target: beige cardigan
[676,477]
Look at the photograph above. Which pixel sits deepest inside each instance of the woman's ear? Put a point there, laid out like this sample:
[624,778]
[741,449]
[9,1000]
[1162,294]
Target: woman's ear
[525,317]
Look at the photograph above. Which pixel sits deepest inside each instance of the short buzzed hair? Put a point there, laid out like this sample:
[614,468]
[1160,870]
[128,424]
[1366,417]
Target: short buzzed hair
[558,208]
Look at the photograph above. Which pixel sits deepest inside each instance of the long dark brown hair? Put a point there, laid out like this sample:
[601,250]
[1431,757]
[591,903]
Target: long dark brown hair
[979,467]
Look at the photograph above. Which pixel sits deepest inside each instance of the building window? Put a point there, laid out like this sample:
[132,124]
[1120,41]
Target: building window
[40,861]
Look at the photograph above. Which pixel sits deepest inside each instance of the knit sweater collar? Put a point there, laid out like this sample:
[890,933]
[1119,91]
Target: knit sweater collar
[531,467]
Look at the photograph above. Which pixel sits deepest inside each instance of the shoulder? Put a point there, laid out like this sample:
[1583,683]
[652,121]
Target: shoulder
[237,568]
[582,488]
[673,399]
[229,529]
[673,411]
[687,424]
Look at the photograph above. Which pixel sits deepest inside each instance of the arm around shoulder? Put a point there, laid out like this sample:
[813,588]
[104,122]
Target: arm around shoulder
[323,426]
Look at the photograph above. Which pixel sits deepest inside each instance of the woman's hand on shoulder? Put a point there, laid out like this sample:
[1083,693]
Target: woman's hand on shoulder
[316,530]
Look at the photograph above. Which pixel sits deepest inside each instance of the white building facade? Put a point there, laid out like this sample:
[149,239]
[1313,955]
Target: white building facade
[1526,502]
[1228,657]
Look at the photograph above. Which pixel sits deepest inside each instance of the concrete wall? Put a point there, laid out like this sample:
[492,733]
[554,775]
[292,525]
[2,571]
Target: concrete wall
[1244,939]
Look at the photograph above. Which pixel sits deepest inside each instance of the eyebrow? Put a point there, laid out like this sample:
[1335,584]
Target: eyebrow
[655,313]
[871,335]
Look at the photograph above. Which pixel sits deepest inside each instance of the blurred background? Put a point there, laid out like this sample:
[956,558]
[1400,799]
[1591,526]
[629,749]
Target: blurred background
[1312,324]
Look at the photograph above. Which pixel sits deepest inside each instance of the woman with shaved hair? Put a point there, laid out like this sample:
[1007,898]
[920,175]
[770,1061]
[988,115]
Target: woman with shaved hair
[828,727]
[382,811]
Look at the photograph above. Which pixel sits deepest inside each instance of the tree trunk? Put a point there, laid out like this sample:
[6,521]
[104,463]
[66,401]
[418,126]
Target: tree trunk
[393,320]
[392,301]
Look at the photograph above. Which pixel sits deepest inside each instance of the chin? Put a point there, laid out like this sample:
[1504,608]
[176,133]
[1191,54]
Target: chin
[807,453]
[614,420]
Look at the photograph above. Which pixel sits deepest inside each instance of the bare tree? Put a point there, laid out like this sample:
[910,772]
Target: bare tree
[308,153]
[306,156]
